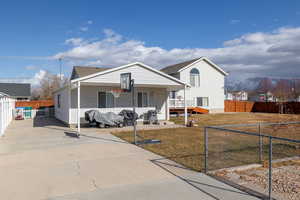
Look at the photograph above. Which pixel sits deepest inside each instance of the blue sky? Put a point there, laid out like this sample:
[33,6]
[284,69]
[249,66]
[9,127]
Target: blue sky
[35,33]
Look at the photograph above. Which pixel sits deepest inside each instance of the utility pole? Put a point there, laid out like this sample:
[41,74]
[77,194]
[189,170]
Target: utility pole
[60,69]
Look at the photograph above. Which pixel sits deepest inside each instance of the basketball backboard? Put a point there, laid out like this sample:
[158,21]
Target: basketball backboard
[125,82]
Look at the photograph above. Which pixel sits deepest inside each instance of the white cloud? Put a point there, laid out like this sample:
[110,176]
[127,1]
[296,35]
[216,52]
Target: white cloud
[84,28]
[34,81]
[274,54]
[234,21]
[74,41]
[90,22]
[38,77]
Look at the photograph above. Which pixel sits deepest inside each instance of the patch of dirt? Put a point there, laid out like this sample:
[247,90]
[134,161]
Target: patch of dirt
[285,179]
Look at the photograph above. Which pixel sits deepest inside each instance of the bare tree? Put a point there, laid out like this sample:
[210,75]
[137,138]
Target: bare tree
[283,90]
[283,93]
[48,84]
[295,89]
[265,86]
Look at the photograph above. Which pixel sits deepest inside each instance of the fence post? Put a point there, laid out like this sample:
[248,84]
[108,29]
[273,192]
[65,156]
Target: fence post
[205,149]
[260,144]
[270,166]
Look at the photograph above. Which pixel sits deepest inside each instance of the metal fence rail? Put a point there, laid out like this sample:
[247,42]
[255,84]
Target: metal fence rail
[7,106]
[258,134]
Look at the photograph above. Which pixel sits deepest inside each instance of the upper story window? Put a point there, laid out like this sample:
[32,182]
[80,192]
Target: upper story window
[195,77]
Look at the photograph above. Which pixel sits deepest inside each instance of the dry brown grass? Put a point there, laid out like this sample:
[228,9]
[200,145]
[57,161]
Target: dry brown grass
[185,145]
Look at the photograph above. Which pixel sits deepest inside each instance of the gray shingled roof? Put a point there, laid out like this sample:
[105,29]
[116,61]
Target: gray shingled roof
[16,89]
[81,71]
[171,69]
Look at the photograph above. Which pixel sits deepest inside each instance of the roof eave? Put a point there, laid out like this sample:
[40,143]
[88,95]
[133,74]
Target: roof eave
[207,60]
[127,65]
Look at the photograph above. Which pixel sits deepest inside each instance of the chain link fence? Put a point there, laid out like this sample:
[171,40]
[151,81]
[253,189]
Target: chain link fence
[263,157]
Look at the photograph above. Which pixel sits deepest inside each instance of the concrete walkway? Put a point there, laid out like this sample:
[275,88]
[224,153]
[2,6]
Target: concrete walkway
[41,160]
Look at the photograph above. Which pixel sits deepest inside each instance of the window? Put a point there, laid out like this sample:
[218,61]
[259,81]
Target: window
[172,95]
[106,100]
[202,101]
[142,99]
[58,100]
[195,77]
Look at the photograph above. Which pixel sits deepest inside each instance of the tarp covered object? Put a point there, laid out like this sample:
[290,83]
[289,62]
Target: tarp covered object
[109,119]
[129,117]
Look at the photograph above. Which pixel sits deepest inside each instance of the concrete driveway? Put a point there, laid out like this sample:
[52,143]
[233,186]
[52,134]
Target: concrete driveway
[39,159]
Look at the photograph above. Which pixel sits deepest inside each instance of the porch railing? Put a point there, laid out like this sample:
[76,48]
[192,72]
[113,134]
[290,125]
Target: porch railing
[179,103]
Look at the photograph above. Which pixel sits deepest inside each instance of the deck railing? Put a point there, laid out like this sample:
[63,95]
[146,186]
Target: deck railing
[179,103]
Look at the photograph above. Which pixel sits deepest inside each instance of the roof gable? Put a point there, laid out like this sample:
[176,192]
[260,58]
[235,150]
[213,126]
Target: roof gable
[172,69]
[82,71]
[104,72]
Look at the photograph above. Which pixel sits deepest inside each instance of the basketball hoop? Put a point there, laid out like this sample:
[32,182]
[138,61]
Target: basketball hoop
[116,92]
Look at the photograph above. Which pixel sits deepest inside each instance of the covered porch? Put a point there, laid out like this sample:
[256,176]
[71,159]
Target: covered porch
[99,96]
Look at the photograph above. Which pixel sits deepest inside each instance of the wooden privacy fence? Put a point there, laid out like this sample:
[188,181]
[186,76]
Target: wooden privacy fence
[266,107]
[7,106]
[35,104]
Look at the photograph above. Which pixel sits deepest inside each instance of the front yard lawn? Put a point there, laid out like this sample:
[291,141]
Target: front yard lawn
[185,145]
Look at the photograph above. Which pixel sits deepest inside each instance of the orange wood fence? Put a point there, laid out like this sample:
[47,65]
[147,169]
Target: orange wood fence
[266,107]
[35,104]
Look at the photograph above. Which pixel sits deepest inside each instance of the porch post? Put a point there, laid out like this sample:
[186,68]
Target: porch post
[78,109]
[185,108]
[167,106]
[69,103]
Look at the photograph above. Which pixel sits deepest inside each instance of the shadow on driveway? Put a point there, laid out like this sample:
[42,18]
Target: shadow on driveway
[212,186]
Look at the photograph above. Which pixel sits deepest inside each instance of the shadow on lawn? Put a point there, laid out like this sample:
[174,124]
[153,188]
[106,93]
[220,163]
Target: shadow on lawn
[172,168]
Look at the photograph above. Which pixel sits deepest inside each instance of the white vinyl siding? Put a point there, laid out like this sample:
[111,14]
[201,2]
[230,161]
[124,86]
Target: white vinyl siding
[211,86]
[140,75]
[62,104]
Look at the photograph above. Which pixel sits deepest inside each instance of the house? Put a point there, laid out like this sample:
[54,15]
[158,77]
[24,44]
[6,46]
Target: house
[207,84]
[94,89]
[17,91]
[262,97]
[237,95]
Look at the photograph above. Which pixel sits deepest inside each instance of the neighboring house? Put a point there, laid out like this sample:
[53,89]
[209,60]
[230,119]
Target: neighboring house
[237,95]
[207,84]
[17,91]
[93,88]
[262,97]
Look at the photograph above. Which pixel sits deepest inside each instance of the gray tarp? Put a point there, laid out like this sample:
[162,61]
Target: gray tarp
[110,118]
